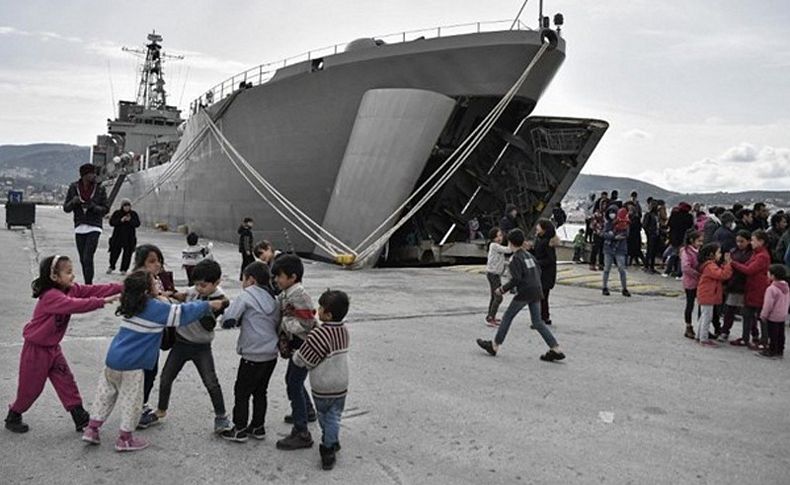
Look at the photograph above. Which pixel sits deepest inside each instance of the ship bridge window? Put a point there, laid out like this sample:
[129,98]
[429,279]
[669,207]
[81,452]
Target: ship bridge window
[317,65]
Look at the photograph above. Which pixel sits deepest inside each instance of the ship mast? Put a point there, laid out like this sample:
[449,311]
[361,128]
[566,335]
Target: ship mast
[151,92]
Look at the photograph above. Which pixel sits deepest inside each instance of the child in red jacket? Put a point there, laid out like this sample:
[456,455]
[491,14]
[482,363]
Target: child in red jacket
[775,309]
[58,298]
[710,291]
[756,271]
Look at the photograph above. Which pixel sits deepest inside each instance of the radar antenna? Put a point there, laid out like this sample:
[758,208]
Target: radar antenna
[151,91]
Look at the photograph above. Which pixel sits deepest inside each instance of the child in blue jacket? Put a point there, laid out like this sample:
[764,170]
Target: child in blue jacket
[134,348]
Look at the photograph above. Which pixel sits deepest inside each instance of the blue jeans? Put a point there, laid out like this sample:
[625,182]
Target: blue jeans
[607,267]
[329,411]
[537,322]
[297,394]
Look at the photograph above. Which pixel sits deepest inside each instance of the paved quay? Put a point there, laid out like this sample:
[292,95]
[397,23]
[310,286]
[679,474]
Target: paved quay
[634,402]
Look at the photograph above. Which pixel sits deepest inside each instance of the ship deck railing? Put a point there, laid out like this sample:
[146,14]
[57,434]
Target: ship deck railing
[264,72]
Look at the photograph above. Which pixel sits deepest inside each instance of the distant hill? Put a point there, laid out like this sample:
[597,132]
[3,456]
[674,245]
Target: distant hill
[585,184]
[43,163]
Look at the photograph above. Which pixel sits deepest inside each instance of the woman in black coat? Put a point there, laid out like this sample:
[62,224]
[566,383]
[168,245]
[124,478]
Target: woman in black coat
[124,224]
[546,254]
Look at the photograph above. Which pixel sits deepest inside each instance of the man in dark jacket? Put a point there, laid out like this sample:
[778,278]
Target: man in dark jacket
[650,225]
[680,221]
[525,278]
[725,235]
[508,221]
[87,200]
[712,224]
[246,245]
[124,222]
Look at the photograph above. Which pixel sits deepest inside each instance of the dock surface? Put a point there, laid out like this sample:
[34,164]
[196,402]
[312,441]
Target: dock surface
[634,402]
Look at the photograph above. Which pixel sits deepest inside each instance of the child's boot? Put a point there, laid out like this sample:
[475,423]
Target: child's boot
[128,442]
[327,457]
[91,434]
[690,332]
[81,418]
[14,423]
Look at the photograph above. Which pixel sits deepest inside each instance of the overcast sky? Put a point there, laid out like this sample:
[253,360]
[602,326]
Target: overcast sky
[697,92]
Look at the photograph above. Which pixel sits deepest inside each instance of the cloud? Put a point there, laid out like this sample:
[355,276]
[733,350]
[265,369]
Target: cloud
[739,168]
[637,134]
[43,36]
[745,152]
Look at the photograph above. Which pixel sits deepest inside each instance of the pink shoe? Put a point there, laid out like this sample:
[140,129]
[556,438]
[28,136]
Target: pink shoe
[132,443]
[91,435]
[709,343]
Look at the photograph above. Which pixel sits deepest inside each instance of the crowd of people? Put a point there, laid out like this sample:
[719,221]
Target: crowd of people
[274,313]
[733,263]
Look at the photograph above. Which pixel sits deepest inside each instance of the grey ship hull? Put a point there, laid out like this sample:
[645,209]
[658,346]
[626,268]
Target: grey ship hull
[295,130]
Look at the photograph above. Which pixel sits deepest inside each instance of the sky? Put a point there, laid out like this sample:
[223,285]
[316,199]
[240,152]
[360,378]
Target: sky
[697,93]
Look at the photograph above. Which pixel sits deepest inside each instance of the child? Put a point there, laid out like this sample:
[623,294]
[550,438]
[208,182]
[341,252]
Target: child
[58,298]
[149,258]
[298,318]
[325,354]
[245,245]
[735,288]
[193,254]
[578,246]
[495,268]
[265,253]
[193,343]
[710,290]
[525,277]
[257,312]
[773,314]
[756,271]
[136,347]
[689,265]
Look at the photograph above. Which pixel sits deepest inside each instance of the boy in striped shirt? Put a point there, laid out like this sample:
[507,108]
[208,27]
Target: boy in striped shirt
[325,354]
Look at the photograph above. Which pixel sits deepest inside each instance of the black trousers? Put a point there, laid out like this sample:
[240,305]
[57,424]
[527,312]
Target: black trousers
[776,337]
[252,380]
[86,248]
[597,251]
[691,297]
[200,355]
[149,376]
[652,252]
[126,260]
[245,261]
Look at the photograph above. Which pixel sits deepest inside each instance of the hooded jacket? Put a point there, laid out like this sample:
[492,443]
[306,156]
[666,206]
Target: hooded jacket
[710,290]
[756,271]
[776,302]
[689,267]
[524,277]
[257,312]
[90,211]
[711,225]
[726,238]
[54,309]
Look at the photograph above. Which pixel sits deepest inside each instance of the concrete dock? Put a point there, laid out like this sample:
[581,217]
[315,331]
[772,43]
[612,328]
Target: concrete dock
[634,402]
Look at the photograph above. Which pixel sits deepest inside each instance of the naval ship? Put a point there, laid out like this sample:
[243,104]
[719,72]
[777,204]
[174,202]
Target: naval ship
[351,139]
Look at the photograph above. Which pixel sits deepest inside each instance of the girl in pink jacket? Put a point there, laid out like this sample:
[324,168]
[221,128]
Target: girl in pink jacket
[42,358]
[774,311]
[690,268]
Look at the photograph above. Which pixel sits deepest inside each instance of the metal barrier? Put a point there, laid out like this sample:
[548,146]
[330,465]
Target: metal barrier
[264,72]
